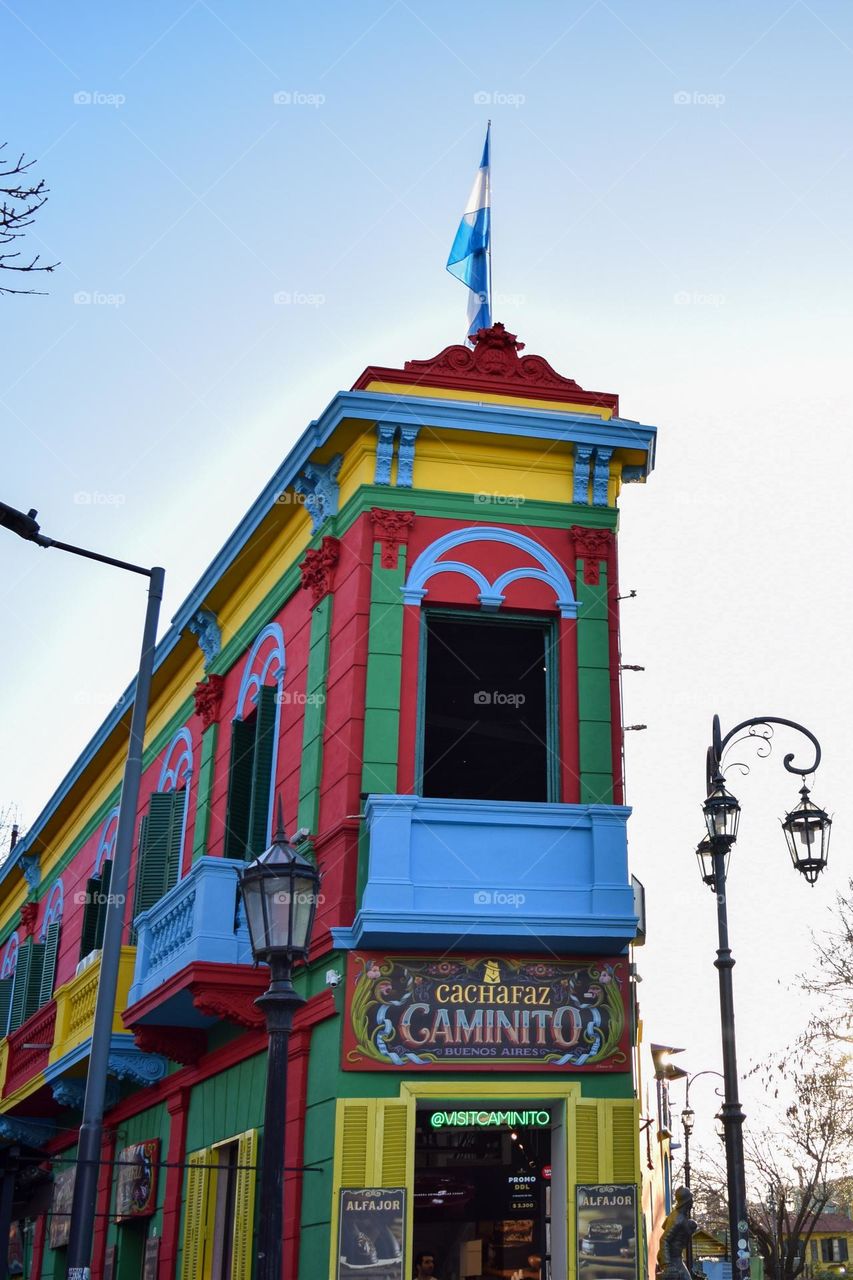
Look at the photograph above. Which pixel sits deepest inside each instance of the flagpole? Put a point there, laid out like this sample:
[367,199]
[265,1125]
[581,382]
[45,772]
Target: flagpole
[491,282]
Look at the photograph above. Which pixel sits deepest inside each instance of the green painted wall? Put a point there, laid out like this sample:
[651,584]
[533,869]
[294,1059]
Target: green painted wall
[594,727]
[130,1238]
[327,1082]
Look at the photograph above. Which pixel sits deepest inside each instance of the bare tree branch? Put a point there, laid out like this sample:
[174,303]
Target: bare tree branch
[22,197]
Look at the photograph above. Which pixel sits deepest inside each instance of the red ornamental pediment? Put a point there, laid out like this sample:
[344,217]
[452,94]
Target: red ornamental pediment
[495,364]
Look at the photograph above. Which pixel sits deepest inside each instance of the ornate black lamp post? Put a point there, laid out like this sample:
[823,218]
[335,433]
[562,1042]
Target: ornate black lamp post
[279,893]
[807,830]
[688,1117]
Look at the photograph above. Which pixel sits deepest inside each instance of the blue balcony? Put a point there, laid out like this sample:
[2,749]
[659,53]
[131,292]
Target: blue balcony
[505,875]
[194,925]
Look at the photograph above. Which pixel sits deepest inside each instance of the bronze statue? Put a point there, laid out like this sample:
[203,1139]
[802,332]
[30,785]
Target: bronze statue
[677,1230]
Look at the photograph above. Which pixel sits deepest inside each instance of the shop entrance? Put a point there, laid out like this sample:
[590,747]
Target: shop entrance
[483,1191]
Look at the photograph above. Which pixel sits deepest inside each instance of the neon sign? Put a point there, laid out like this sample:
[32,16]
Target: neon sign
[489,1119]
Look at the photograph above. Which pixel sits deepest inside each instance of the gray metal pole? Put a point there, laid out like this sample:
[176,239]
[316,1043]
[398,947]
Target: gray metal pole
[731,1111]
[89,1145]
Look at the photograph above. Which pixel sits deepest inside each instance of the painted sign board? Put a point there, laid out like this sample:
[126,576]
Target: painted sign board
[607,1231]
[370,1233]
[136,1182]
[60,1207]
[468,1012]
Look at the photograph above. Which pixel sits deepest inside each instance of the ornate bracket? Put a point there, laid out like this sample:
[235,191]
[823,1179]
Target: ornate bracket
[237,1005]
[29,912]
[391,529]
[71,1093]
[29,1132]
[406,456]
[580,483]
[318,483]
[719,744]
[204,626]
[137,1068]
[208,699]
[29,864]
[318,569]
[180,1044]
[384,452]
[592,546]
[601,476]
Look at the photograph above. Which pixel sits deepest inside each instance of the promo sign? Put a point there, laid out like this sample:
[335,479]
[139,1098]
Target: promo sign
[471,1011]
[370,1233]
[607,1232]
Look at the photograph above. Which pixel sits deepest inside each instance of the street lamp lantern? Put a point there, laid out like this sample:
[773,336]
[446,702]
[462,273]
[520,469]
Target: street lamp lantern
[705,856]
[688,1117]
[807,830]
[722,813]
[280,896]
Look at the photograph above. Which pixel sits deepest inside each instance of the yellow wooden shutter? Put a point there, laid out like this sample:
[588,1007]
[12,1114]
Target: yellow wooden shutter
[356,1124]
[392,1143]
[242,1251]
[586,1140]
[625,1139]
[195,1215]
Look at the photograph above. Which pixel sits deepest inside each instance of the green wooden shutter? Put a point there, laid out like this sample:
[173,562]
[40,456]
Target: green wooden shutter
[48,973]
[176,838]
[22,978]
[154,844]
[262,771]
[88,937]
[32,1001]
[239,786]
[196,1204]
[392,1143]
[6,985]
[102,894]
[586,1140]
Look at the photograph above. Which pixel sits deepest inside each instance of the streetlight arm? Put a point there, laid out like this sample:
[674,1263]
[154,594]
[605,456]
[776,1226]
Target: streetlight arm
[719,744]
[25,525]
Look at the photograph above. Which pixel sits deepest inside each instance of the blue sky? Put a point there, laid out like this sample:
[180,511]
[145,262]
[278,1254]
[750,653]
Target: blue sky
[671,194]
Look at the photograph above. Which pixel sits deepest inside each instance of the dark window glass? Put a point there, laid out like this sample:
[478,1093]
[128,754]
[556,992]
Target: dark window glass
[486,710]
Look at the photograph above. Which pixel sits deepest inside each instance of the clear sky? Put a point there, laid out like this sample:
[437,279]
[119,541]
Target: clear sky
[251,202]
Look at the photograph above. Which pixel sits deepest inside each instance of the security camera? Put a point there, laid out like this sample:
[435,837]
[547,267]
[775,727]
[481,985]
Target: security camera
[333,978]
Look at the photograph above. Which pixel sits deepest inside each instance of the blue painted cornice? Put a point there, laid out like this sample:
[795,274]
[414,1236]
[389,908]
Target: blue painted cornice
[374,408]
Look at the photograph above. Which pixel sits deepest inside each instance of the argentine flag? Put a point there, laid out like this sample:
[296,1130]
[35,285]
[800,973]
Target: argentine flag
[471,256]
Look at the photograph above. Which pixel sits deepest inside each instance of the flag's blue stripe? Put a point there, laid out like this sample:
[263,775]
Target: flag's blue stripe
[471,238]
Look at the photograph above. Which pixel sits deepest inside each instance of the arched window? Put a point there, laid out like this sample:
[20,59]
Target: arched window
[107,841]
[163,828]
[489,720]
[254,747]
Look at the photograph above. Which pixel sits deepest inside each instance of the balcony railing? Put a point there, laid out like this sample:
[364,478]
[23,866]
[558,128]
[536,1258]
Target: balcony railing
[502,874]
[75,1004]
[197,920]
[29,1048]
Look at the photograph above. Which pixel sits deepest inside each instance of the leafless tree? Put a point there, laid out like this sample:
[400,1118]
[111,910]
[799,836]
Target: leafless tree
[22,198]
[793,1165]
[832,977]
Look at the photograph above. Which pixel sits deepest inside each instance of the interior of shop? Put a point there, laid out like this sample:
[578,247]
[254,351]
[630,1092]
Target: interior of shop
[483,1193]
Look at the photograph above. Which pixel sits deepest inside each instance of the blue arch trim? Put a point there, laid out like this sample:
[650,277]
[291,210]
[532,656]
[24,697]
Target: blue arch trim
[10,957]
[53,909]
[177,758]
[273,663]
[491,594]
[107,840]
